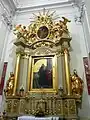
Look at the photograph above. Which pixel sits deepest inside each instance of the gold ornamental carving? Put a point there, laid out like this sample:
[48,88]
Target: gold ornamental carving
[43,31]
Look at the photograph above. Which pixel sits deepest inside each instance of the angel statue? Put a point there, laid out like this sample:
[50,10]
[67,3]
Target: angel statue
[60,28]
[64,24]
[77,84]
[10,85]
[21,31]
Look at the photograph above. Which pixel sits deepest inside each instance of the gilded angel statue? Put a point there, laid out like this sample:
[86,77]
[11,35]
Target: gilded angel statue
[10,85]
[60,28]
[77,84]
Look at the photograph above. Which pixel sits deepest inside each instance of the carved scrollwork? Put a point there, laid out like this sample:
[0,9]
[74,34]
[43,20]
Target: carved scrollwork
[9,106]
[15,106]
[43,51]
[72,107]
[65,107]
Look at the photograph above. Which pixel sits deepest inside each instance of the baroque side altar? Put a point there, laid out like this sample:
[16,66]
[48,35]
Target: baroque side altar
[33,88]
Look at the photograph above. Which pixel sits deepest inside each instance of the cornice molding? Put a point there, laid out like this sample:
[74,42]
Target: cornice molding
[17,9]
[81,7]
[7,20]
[8,7]
[47,6]
[11,5]
[7,13]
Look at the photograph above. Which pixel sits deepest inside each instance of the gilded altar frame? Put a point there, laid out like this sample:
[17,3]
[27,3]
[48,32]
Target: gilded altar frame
[44,39]
[54,87]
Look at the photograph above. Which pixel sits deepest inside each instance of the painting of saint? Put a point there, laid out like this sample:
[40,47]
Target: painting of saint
[42,73]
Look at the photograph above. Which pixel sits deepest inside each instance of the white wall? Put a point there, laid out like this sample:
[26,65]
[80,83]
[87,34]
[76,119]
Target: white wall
[3,33]
[86,22]
[86,33]
[5,22]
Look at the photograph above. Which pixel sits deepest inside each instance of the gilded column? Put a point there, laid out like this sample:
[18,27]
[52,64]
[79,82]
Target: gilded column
[29,72]
[67,71]
[25,71]
[63,72]
[16,72]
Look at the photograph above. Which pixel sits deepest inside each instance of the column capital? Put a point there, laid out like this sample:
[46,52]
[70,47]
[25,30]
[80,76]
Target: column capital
[66,51]
[20,50]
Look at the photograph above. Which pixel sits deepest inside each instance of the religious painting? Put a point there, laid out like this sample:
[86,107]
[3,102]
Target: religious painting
[43,73]
[42,32]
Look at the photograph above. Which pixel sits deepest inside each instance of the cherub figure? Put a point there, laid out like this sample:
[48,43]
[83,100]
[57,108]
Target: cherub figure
[21,31]
[64,25]
[61,27]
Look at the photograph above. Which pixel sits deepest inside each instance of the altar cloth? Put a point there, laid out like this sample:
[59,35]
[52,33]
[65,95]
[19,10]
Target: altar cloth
[37,118]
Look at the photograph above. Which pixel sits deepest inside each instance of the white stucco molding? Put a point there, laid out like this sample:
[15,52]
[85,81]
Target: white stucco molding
[47,6]
[9,5]
[6,12]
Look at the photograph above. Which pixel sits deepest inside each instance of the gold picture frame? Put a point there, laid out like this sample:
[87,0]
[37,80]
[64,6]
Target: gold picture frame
[42,74]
